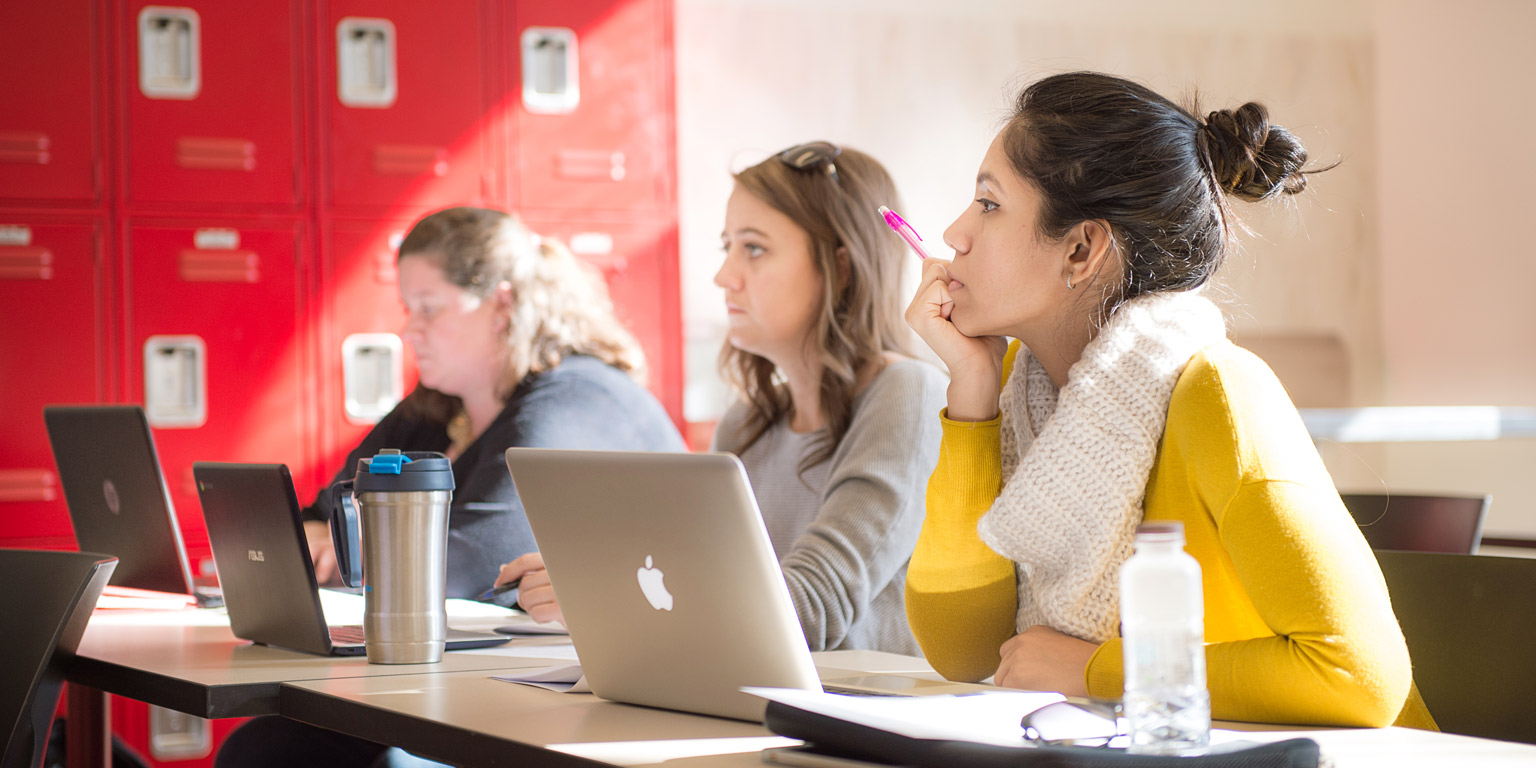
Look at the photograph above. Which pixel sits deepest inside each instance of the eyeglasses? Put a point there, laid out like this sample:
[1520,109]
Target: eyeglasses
[1075,723]
[803,157]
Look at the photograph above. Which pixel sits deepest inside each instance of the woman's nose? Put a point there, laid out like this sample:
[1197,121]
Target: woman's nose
[410,330]
[725,277]
[958,237]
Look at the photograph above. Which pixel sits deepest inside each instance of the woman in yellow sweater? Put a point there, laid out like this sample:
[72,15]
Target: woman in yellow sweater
[1100,209]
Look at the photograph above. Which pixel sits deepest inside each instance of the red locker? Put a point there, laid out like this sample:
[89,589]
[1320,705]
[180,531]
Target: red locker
[638,260]
[217,349]
[50,127]
[212,104]
[364,365]
[51,351]
[590,86]
[404,118]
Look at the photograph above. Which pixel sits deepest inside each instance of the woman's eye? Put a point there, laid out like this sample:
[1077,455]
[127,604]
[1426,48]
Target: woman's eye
[987,206]
[754,251]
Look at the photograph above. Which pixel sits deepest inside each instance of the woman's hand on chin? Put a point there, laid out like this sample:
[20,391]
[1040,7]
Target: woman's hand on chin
[975,363]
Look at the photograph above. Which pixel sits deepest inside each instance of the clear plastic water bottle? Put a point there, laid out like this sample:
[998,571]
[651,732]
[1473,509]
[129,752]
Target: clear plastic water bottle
[1162,621]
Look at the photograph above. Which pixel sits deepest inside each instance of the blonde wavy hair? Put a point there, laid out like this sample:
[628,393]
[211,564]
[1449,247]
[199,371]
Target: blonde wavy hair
[560,305]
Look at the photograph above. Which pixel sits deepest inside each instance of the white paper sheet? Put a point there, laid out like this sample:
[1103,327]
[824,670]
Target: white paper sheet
[561,678]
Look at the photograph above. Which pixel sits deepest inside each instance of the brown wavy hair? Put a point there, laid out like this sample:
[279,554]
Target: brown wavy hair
[560,305]
[860,317]
[1098,146]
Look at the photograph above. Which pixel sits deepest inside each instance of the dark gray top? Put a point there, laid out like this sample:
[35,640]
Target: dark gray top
[582,403]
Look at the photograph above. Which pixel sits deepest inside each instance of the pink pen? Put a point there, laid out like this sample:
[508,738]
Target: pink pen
[896,222]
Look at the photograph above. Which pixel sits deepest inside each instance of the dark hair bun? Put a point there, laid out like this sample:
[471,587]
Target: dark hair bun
[1251,158]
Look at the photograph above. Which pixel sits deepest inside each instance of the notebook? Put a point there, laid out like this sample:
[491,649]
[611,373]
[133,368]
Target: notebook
[669,584]
[257,533]
[116,495]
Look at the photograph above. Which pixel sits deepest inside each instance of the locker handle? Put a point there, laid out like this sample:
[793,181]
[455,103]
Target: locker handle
[32,263]
[408,160]
[28,485]
[24,147]
[590,165]
[197,266]
[216,154]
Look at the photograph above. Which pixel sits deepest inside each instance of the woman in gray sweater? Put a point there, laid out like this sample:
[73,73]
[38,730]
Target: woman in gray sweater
[834,422]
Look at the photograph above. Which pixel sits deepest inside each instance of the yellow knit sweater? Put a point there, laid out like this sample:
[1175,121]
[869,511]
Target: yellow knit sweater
[1298,625]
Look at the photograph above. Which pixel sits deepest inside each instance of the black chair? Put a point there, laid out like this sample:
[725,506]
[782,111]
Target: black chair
[46,599]
[1452,524]
[1469,621]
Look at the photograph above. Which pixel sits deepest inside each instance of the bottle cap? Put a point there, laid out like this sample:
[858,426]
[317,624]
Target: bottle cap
[1160,530]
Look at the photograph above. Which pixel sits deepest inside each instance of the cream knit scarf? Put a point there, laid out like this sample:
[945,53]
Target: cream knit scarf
[1074,485]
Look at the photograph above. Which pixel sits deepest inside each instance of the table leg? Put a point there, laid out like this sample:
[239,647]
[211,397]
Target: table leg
[88,742]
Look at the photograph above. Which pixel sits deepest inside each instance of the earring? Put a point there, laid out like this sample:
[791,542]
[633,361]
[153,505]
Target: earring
[1070,286]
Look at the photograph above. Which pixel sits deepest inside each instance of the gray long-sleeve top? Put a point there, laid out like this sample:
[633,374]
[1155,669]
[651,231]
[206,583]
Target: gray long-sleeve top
[845,529]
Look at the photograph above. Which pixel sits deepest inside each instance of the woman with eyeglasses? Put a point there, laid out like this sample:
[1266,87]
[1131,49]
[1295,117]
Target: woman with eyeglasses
[1100,210]
[835,420]
[517,345]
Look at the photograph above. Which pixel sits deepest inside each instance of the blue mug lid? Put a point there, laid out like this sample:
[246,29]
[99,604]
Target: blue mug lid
[394,470]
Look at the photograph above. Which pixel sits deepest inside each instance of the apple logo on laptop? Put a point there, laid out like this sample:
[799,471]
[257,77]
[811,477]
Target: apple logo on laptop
[651,584]
[109,492]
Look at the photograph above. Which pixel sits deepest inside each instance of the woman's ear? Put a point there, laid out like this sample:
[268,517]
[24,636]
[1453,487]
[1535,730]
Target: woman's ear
[503,298]
[1090,247]
[844,268]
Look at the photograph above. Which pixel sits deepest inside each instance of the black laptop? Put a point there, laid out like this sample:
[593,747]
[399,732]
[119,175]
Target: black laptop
[257,533]
[116,495]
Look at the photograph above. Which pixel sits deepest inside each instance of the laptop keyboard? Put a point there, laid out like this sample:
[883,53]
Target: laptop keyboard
[351,634]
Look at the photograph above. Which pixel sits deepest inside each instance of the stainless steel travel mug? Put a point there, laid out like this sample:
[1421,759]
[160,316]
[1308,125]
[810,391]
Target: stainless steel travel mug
[402,503]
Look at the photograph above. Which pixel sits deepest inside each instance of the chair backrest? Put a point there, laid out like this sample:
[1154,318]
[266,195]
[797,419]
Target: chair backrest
[1469,621]
[46,599]
[1451,524]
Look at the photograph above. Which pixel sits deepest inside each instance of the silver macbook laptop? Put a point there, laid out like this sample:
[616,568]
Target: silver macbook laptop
[257,533]
[116,495]
[668,582]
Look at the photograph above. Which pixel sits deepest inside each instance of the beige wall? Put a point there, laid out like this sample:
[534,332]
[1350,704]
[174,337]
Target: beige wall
[1456,160]
[1389,88]
[1458,163]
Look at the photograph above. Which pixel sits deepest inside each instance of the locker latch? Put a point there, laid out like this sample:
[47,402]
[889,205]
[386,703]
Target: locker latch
[176,381]
[372,375]
[365,62]
[551,81]
[169,53]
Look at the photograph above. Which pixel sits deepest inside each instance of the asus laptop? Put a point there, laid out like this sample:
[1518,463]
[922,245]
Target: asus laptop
[257,533]
[116,495]
[669,584]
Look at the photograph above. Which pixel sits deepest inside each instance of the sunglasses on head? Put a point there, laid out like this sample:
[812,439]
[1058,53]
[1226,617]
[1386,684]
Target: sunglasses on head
[811,155]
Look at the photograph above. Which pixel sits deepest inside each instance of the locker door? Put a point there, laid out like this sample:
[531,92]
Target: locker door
[639,262]
[404,104]
[213,105]
[50,143]
[594,116]
[50,352]
[216,350]
[365,367]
